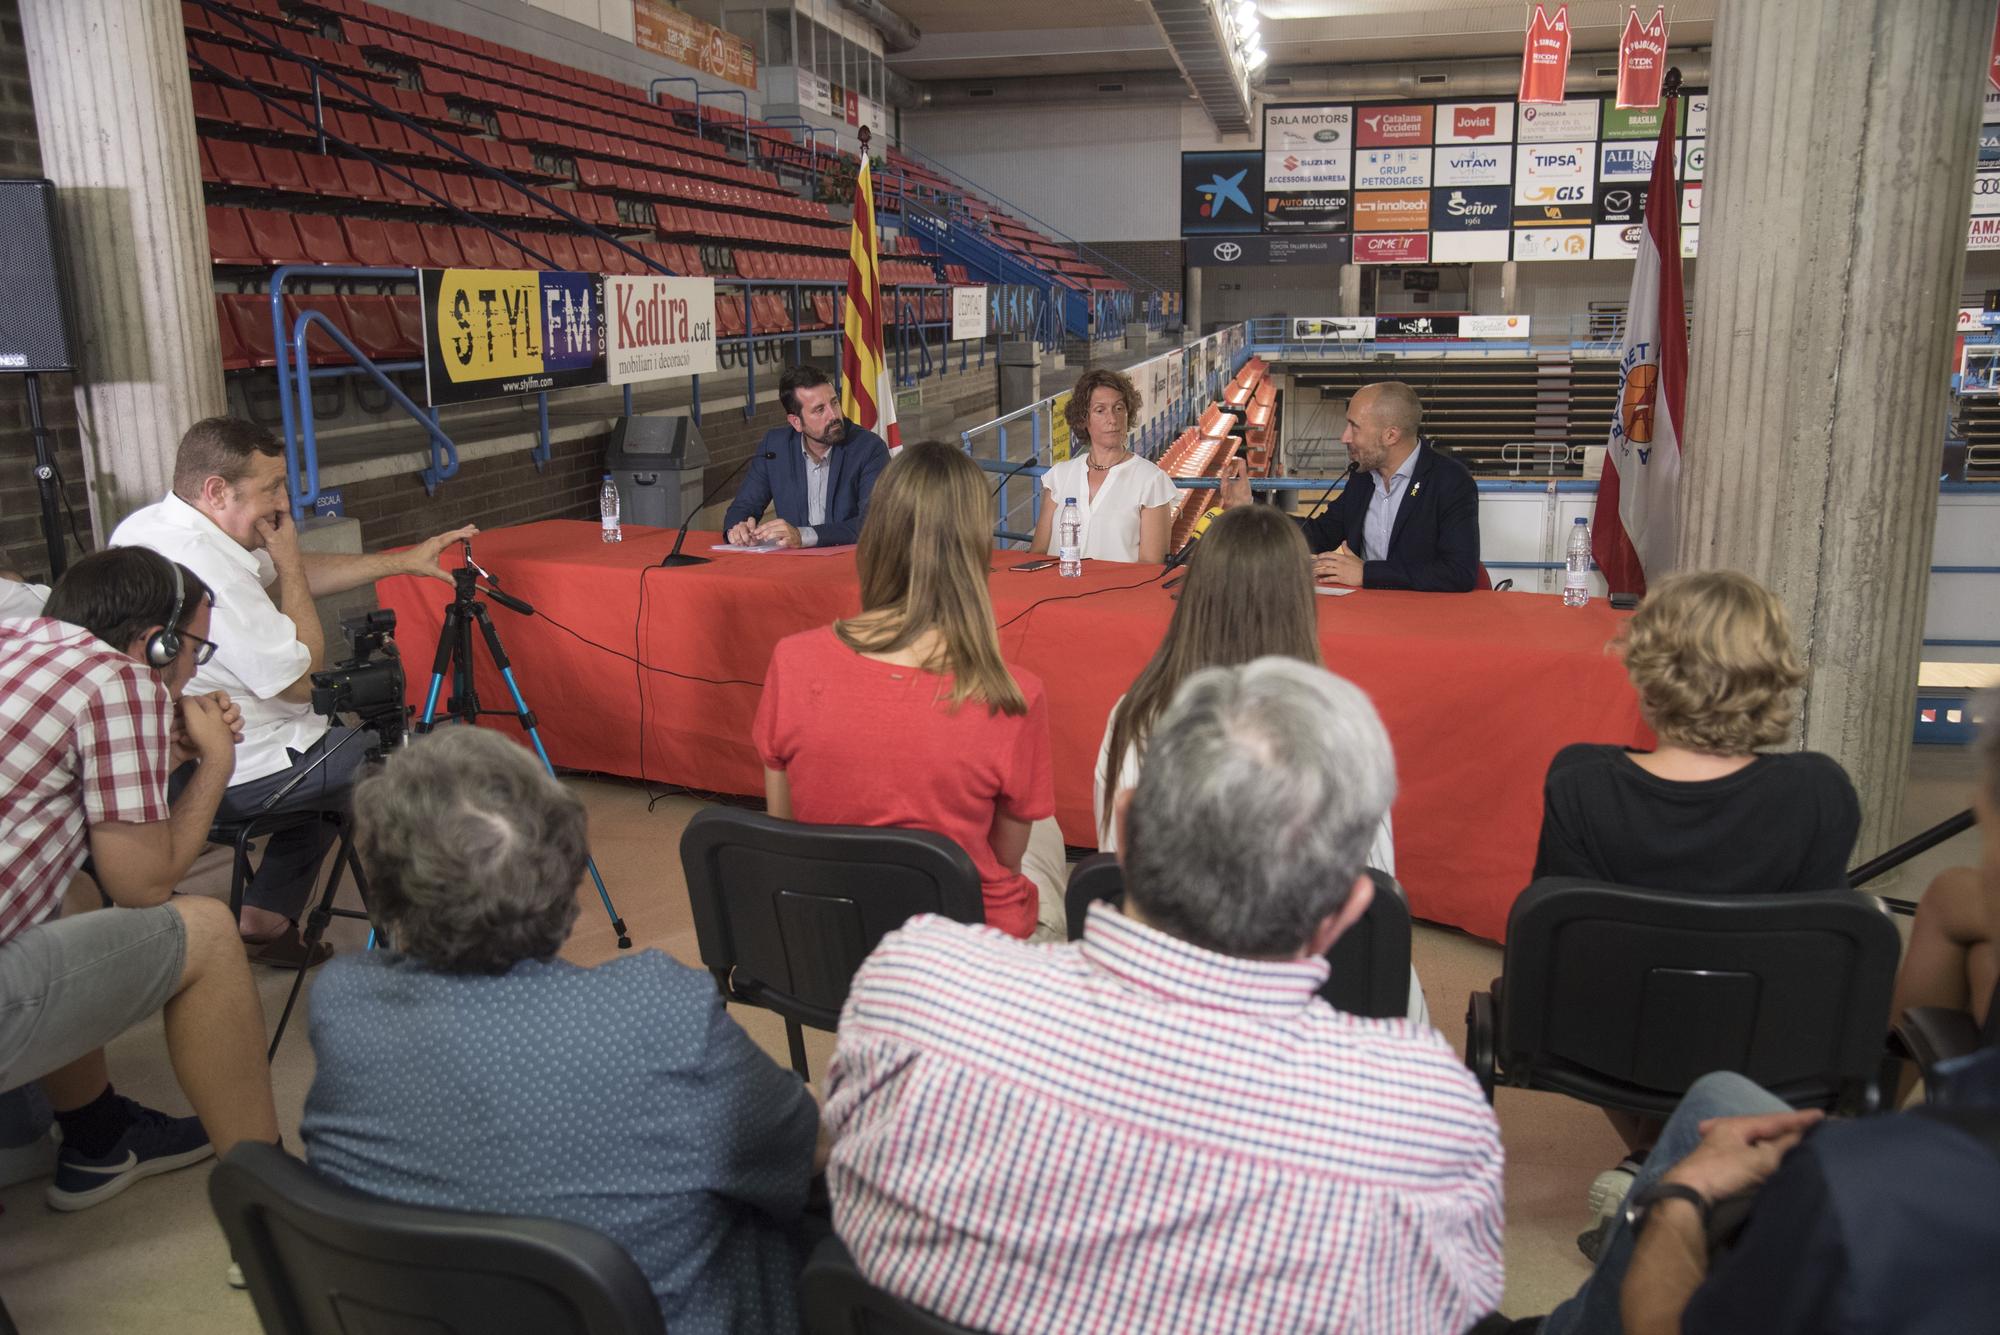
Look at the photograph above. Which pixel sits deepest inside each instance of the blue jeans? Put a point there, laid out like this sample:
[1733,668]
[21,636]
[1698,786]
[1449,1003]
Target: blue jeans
[1594,1309]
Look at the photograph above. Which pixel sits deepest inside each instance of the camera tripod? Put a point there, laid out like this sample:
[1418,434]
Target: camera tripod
[454,654]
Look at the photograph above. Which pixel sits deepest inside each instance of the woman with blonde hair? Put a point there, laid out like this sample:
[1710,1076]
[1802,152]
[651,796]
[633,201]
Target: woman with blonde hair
[906,715]
[1706,811]
[1126,502]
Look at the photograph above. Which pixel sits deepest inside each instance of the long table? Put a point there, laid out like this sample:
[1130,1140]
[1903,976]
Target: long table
[1478,690]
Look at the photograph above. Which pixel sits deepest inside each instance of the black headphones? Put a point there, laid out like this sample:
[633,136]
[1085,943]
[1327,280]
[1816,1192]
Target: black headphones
[163,646]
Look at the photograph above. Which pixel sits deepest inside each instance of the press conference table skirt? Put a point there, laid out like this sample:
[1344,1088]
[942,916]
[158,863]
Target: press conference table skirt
[1478,690]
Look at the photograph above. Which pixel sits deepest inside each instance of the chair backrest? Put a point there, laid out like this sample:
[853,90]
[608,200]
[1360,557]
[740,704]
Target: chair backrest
[1612,988]
[835,1300]
[1371,960]
[325,1260]
[784,913]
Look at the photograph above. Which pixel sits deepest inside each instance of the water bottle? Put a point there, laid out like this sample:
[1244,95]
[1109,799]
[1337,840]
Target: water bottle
[1069,540]
[607,508]
[1576,579]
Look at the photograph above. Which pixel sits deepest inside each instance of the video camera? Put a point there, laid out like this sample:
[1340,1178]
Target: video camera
[370,683]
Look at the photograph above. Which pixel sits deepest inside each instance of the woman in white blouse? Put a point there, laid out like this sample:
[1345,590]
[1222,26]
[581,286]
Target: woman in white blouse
[1126,501]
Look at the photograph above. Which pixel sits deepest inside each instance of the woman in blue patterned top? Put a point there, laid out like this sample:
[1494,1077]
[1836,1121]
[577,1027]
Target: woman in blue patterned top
[466,1066]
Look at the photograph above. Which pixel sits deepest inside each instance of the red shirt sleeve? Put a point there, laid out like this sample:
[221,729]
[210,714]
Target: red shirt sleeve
[1028,790]
[769,726]
[124,744]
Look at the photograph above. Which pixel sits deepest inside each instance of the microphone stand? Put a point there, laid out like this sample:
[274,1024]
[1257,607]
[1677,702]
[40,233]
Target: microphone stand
[1021,467]
[675,557]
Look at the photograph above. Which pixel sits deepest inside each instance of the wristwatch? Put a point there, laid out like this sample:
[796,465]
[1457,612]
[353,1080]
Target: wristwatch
[1641,1205]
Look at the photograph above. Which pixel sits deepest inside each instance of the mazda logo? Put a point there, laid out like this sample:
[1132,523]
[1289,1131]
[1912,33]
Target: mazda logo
[1617,201]
[1229,252]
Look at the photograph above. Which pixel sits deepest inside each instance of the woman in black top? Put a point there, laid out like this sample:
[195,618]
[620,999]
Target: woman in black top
[1704,812]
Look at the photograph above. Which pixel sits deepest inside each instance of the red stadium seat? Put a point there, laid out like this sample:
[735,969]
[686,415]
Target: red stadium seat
[249,317]
[409,316]
[475,246]
[229,238]
[371,322]
[459,190]
[488,196]
[360,180]
[275,237]
[235,163]
[321,350]
[322,238]
[435,247]
[369,244]
[235,357]
[281,170]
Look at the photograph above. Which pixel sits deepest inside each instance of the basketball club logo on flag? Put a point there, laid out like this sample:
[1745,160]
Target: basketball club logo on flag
[867,390]
[1545,61]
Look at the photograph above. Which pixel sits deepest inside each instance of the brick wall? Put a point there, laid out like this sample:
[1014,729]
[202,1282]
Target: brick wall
[21,542]
[1158,262]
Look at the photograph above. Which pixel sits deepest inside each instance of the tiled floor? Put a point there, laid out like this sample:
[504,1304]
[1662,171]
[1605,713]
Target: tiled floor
[153,1260]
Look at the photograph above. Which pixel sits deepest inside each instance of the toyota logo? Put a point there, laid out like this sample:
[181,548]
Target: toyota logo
[1229,252]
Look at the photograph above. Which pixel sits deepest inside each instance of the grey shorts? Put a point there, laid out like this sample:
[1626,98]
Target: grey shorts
[73,984]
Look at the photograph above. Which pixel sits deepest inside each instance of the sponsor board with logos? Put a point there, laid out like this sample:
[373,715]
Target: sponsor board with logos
[1316,328]
[1551,215]
[1487,164]
[1293,171]
[1616,241]
[1551,243]
[1989,143]
[1475,123]
[1983,234]
[1639,122]
[1629,161]
[968,312]
[1314,129]
[1311,212]
[1690,205]
[1221,192]
[1694,159]
[493,333]
[1472,208]
[1695,123]
[1392,210]
[1492,326]
[1237,252]
[1394,125]
[1393,248]
[1487,247]
[1690,242]
[1392,169]
[1557,122]
[1554,173]
[1620,204]
[664,328]
[1986,192]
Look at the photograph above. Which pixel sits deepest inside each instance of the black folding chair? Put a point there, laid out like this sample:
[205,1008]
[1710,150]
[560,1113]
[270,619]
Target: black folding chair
[324,1260]
[835,1300]
[784,913]
[1933,1035]
[1624,997]
[1371,960]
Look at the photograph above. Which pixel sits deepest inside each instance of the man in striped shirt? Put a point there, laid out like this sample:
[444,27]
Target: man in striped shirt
[1162,1128]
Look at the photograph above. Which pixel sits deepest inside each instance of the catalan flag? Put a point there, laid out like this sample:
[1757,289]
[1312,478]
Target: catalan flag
[867,391]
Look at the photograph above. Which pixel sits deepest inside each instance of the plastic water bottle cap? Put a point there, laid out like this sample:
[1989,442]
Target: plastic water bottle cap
[1069,500]
[1581,520]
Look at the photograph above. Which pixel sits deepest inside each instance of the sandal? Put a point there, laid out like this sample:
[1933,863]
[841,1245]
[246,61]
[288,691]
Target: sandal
[287,950]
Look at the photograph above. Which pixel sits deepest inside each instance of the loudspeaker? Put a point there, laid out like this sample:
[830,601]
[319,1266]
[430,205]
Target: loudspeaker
[34,318]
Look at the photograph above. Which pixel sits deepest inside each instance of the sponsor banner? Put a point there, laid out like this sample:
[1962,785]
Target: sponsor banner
[1392,210]
[659,328]
[1557,122]
[666,31]
[1394,125]
[1986,193]
[1989,111]
[1392,169]
[1475,123]
[1545,57]
[1694,121]
[1241,251]
[1630,162]
[1332,326]
[815,92]
[1477,208]
[1983,234]
[1621,204]
[1416,326]
[1221,192]
[1489,247]
[1554,173]
[1308,129]
[968,312]
[853,107]
[1313,212]
[1989,143]
[1492,326]
[1490,164]
[1296,170]
[1551,215]
[1690,205]
[491,333]
[1689,236]
[1993,63]
[1551,243]
[1694,159]
[1968,320]
[1616,241]
[1638,122]
[1642,59]
[1397,248]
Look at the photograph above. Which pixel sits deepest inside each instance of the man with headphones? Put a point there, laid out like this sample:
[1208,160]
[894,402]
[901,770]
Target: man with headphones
[92,721]
[228,519]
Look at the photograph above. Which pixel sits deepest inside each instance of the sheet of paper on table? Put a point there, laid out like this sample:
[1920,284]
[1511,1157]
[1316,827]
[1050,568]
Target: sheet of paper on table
[1328,590]
[755,548]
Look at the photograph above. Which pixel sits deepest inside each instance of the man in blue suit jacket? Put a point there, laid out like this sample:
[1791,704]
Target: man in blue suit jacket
[819,470]
[1409,517]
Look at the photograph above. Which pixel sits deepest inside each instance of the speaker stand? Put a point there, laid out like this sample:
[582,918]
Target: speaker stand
[45,480]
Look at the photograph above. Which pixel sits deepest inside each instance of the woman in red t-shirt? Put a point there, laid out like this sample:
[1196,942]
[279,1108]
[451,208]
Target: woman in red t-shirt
[905,715]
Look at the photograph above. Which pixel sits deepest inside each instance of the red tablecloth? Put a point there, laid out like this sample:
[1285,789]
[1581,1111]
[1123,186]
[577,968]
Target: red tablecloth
[1478,690]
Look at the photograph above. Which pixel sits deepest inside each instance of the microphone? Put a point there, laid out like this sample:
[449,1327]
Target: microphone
[1025,464]
[674,558]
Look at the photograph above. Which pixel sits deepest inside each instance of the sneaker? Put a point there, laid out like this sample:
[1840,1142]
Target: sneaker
[153,1143]
[235,1277]
[1608,1191]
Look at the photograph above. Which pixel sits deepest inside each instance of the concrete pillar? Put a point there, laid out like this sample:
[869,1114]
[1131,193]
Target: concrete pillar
[1350,289]
[1832,246]
[1192,322]
[116,122]
[1510,288]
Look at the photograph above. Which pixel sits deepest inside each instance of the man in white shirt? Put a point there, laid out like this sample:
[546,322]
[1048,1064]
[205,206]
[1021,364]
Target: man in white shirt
[18,598]
[228,519]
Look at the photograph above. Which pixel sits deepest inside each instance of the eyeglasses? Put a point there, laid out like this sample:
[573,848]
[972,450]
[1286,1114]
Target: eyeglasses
[203,649]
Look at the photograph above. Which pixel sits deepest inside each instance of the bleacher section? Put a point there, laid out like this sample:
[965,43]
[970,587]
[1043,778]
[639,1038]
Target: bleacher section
[1244,420]
[648,187]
